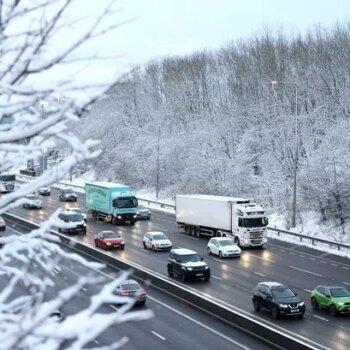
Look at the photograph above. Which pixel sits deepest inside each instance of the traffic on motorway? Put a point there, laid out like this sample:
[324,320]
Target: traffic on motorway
[271,294]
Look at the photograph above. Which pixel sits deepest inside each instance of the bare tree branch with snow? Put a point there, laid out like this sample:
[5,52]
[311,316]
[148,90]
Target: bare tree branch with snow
[41,50]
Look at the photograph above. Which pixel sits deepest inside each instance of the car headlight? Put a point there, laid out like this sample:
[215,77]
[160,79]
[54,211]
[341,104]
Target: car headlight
[340,304]
[108,243]
[122,242]
[119,216]
[135,216]
[301,304]
[283,306]
[206,267]
[189,268]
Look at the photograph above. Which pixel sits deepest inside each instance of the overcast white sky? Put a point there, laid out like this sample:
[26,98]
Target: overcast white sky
[182,26]
[177,27]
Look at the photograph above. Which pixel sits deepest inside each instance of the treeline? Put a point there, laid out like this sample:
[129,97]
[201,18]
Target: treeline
[214,122]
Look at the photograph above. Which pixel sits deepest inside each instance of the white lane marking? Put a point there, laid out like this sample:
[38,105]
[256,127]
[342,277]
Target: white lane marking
[345,268]
[190,237]
[84,289]
[308,290]
[312,259]
[323,262]
[217,260]
[159,228]
[306,271]
[217,277]
[96,341]
[321,318]
[158,335]
[291,253]
[282,250]
[302,256]
[334,264]
[113,307]
[144,250]
[198,323]
[183,315]
[260,274]
[259,257]
[347,283]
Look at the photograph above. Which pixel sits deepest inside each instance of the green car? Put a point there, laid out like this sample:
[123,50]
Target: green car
[334,298]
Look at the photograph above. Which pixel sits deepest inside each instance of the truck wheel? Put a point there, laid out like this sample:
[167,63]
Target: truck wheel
[237,241]
[187,229]
[192,231]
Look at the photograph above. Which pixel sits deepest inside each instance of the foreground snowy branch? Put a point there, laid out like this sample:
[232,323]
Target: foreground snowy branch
[40,45]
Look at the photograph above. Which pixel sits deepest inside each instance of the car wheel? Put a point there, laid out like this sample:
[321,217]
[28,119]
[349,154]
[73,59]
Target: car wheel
[153,248]
[237,241]
[95,243]
[142,303]
[170,271]
[184,277]
[314,303]
[220,254]
[300,316]
[207,277]
[275,313]
[209,251]
[144,245]
[122,247]
[333,310]
[257,306]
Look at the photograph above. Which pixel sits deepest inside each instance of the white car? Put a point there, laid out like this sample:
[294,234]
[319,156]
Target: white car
[224,247]
[2,224]
[156,241]
[78,211]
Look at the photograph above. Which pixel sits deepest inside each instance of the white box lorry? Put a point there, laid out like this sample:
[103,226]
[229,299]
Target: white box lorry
[205,215]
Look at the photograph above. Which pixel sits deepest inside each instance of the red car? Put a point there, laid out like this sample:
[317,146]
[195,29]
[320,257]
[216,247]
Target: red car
[109,240]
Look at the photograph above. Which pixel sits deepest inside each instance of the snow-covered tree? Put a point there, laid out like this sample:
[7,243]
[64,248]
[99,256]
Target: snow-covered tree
[43,47]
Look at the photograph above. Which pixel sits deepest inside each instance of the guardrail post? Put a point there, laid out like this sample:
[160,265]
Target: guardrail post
[301,238]
[313,242]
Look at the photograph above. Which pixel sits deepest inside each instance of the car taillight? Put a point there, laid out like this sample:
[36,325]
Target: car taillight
[124,294]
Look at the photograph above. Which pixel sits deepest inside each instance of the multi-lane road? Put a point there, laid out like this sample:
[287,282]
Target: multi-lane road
[233,280]
[174,325]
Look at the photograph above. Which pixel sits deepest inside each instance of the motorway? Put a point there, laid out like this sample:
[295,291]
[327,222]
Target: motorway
[174,325]
[233,280]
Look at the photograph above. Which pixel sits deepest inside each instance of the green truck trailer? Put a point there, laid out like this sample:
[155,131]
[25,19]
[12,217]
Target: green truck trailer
[111,202]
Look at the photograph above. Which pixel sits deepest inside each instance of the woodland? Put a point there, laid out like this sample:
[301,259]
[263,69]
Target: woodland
[241,120]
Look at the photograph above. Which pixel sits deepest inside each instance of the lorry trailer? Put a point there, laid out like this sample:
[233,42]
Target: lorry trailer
[217,216]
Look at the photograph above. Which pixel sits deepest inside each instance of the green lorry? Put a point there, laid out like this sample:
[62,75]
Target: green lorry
[111,202]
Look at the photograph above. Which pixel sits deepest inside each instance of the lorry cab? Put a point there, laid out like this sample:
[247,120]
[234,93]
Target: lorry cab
[249,224]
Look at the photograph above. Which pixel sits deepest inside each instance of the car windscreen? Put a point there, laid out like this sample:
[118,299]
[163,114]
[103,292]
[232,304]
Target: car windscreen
[131,286]
[8,177]
[159,237]
[107,235]
[141,207]
[340,292]
[33,198]
[189,258]
[281,293]
[75,217]
[255,222]
[68,191]
[77,210]
[226,243]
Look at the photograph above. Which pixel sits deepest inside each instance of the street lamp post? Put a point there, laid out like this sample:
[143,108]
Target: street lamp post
[296,153]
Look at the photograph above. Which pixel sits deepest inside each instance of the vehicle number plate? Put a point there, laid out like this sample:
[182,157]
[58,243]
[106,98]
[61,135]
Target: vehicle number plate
[199,274]
[296,310]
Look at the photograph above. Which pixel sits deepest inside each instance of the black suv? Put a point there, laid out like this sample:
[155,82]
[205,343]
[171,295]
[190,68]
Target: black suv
[187,264]
[71,217]
[68,195]
[278,299]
